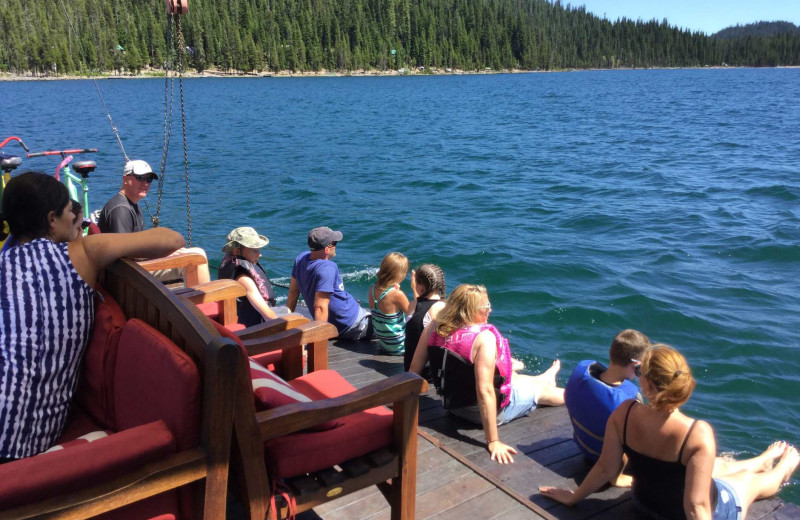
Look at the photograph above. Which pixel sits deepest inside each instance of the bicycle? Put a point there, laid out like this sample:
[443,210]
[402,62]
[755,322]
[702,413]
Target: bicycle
[82,168]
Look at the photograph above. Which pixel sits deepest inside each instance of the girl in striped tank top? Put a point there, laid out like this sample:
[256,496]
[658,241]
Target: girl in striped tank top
[47,307]
[389,304]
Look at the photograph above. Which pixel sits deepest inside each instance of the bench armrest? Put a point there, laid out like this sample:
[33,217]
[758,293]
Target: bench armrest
[177,260]
[315,334]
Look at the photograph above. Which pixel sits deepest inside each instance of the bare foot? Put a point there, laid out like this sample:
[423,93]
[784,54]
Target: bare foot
[788,462]
[772,452]
[551,373]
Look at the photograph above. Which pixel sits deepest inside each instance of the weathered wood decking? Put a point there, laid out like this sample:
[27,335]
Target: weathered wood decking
[456,480]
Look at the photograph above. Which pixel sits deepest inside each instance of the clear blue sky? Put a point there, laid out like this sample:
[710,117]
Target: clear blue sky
[708,16]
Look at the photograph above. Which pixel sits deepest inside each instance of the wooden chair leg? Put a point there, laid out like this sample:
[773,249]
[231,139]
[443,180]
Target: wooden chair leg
[403,489]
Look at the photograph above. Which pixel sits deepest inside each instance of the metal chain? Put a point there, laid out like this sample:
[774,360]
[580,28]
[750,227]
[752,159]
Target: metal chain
[183,128]
[169,97]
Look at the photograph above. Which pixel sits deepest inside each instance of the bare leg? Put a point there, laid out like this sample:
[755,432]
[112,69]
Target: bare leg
[547,393]
[756,486]
[762,462]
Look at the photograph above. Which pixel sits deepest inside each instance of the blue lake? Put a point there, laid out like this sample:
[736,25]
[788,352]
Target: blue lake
[586,202]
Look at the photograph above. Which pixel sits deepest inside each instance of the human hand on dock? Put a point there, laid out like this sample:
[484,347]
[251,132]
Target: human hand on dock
[501,452]
[565,496]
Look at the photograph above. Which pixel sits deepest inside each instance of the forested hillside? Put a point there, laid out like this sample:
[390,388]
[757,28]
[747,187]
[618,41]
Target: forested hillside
[80,36]
[757,29]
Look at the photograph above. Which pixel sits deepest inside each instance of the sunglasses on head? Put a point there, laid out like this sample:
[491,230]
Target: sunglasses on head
[637,368]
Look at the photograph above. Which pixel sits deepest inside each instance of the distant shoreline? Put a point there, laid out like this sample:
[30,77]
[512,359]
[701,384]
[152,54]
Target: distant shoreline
[432,71]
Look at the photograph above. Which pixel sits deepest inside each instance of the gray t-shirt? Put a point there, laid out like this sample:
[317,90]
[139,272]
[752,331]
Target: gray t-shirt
[120,215]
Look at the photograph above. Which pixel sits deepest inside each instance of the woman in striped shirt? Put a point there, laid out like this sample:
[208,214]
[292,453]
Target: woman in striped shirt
[47,307]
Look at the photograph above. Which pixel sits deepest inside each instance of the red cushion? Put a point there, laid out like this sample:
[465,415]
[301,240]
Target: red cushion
[358,434]
[271,391]
[83,439]
[269,360]
[96,387]
[156,380]
[78,423]
[69,470]
[210,309]
[94,229]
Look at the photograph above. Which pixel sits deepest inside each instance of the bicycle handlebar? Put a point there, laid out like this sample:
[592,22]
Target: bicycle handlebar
[14,138]
[62,152]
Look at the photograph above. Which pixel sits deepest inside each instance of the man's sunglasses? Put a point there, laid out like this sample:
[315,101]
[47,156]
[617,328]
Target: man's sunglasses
[146,179]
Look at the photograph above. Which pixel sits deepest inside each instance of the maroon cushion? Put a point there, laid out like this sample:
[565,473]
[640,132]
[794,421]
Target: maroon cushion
[156,380]
[358,434]
[96,383]
[210,309]
[78,423]
[69,470]
[271,391]
[269,360]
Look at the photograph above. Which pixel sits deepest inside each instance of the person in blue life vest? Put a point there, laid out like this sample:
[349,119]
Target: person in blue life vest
[316,277]
[594,391]
[242,251]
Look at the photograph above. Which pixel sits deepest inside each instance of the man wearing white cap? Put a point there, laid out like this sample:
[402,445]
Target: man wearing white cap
[121,213]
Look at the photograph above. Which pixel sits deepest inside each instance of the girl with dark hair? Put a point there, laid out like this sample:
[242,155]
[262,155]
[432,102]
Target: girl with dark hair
[428,283]
[47,306]
[672,457]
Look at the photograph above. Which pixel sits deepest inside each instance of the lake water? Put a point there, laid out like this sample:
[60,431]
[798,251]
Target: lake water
[586,202]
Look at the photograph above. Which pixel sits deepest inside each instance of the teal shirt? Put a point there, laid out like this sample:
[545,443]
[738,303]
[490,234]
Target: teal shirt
[390,329]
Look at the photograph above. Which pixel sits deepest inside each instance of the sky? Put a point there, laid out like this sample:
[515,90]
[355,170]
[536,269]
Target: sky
[708,16]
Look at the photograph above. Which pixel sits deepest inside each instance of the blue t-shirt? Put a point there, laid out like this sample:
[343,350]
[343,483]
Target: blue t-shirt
[590,402]
[315,276]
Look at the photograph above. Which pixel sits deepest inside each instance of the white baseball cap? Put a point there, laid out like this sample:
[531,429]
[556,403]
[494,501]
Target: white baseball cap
[138,167]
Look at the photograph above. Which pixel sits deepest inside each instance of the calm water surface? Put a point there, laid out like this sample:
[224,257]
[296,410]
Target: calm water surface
[586,202]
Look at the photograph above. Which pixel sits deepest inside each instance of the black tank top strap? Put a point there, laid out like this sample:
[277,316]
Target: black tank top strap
[625,426]
[680,453]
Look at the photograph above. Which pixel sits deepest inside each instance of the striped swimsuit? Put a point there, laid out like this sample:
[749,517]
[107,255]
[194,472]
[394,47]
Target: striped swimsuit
[390,329]
[46,317]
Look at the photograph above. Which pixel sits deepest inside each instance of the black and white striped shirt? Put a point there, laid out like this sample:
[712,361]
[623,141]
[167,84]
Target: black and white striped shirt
[46,317]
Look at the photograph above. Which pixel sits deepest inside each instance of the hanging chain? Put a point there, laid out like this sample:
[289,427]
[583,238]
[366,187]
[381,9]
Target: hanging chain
[181,49]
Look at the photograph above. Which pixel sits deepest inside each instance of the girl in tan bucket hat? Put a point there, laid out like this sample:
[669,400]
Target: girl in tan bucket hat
[242,251]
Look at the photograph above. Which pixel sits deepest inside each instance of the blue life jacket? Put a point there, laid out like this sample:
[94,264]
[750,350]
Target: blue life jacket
[590,402]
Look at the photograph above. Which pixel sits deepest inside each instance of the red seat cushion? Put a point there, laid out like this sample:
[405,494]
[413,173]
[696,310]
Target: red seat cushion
[271,391]
[269,360]
[210,309]
[68,470]
[96,387]
[156,380]
[304,452]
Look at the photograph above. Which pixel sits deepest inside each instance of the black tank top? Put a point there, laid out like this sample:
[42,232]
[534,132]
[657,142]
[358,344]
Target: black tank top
[658,484]
[414,328]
